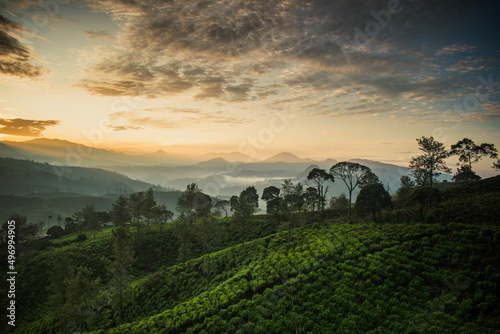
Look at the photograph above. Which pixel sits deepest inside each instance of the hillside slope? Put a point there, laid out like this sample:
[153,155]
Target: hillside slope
[25,177]
[38,190]
[344,279]
[37,207]
[333,279]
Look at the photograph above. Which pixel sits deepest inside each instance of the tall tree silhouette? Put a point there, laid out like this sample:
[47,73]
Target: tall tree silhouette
[352,174]
[90,218]
[432,161]
[136,201]
[194,203]
[319,177]
[120,212]
[148,206]
[469,153]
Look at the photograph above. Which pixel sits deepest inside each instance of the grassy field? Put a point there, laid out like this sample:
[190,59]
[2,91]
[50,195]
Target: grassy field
[105,232]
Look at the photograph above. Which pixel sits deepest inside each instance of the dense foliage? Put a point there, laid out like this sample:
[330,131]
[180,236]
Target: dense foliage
[335,278]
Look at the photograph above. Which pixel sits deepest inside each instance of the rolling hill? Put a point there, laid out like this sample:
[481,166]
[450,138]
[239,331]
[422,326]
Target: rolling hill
[329,277]
[332,279]
[26,177]
[38,190]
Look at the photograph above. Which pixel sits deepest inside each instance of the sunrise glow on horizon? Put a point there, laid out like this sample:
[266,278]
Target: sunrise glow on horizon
[319,79]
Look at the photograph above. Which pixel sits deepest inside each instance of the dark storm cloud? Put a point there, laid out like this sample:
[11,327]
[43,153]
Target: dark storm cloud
[25,127]
[14,55]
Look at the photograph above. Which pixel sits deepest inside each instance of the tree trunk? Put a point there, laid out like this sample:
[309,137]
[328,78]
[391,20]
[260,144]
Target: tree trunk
[350,198]
[431,177]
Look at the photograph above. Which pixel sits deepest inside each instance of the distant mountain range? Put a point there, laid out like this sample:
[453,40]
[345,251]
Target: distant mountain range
[67,153]
[218,174]
[66,178]
[287,157]
[63,152]
[231,157]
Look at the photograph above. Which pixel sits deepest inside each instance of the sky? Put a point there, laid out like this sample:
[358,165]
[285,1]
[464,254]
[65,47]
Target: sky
[320,79]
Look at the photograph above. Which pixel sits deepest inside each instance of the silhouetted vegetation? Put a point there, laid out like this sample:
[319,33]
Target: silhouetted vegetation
[426,167]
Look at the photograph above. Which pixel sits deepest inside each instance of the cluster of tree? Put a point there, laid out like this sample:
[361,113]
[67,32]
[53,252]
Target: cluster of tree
[72,293]
[197,220]
[141,209]
[290,199]
[339,203]
[244,206]
[425,169]
[427,166]
[138,209]
[86,218]
[24,230]
[411,193]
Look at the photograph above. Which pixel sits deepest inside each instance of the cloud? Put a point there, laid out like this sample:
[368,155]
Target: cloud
[236,51]
[17,4]
[455,48]
[124,127]
[25,127]
[473,64]
[208,36]
[169,118]
[14,55]
[91,34]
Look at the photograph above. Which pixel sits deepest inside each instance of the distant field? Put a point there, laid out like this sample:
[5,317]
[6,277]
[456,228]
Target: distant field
[103,233]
